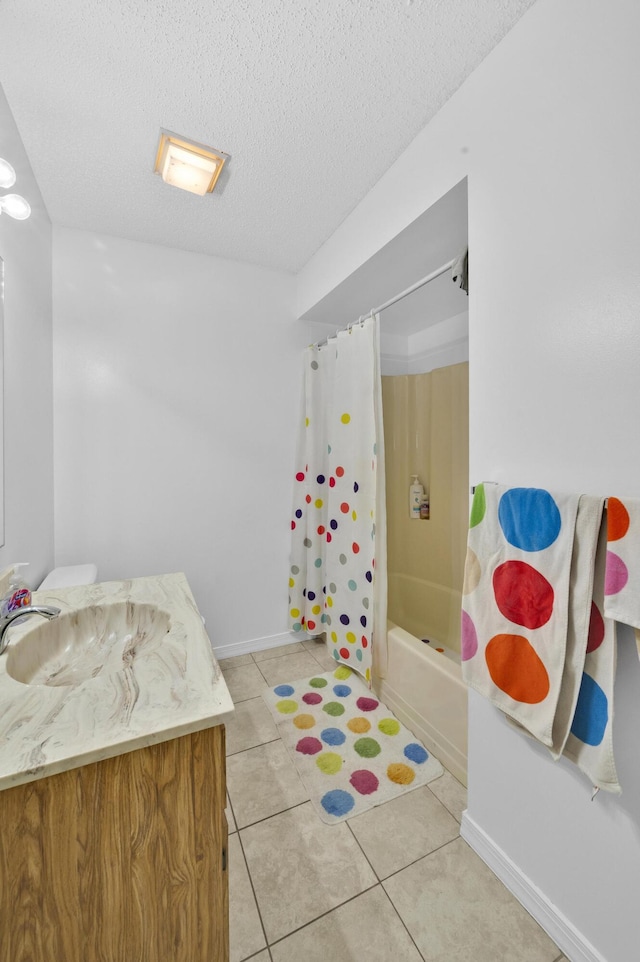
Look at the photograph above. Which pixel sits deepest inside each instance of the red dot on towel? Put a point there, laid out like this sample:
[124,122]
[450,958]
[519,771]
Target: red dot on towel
[516,669]
[617,520]
[522,594]
[596,629]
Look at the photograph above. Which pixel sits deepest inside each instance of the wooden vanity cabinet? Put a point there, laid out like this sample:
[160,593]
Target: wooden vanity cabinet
[123,860]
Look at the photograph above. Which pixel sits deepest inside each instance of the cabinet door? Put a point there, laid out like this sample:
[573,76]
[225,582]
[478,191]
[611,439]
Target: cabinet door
[122,859]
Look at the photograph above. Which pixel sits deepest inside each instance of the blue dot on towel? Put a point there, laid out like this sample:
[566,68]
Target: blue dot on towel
[284,691]
[342,691]
[592,712]
[337,802]
[529,518]
[416,753]
[333,736]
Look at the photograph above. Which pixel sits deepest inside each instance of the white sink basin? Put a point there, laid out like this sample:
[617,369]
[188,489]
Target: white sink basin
[81,644]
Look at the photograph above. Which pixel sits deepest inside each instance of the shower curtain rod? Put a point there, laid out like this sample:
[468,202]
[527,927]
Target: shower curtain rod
[398,297]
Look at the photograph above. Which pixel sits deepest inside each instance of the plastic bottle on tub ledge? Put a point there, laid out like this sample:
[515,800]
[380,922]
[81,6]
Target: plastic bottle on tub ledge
[416,497]
[424,507]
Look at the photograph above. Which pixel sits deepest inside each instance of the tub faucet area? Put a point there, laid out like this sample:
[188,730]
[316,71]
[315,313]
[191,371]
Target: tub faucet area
[47,611]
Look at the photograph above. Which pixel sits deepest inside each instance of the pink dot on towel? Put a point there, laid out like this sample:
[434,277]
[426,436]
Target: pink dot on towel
[616,575]
[469,638]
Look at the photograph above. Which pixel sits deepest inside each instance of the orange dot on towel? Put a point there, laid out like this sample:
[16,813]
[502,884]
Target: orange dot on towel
[516,669]
[617,520]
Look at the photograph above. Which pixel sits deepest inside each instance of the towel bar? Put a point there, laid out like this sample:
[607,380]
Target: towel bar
[473,491]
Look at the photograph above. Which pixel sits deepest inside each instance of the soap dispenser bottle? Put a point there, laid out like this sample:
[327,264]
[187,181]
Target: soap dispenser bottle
[18,593]
[416,497]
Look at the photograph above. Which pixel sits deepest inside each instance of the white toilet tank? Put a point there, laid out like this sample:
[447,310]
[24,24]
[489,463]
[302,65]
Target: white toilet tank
[69,576]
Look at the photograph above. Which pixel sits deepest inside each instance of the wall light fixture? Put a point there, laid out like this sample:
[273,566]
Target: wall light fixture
[12,204]
[187,164]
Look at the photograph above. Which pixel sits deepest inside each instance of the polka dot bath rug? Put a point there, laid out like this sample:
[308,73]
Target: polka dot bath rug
[350,751]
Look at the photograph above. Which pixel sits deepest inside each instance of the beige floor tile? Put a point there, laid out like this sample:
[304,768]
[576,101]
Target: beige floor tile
[312,645]
[325,659]
[262,782]
[261,957]
[455,908]
[245,930]
[289,668]
[251,724]
[231,822]
[302,868]
[451,793]
[244,682]
[402,830]
[294,648]
[365,928]
[236,661]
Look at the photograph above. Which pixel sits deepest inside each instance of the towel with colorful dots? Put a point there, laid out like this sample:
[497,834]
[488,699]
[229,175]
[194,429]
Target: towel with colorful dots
[350,751]
[590,741]
[535,638]
[516,601]
[622,576]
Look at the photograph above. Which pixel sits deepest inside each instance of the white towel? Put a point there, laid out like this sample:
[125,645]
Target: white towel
[516,597]
[590,743]
[584,615]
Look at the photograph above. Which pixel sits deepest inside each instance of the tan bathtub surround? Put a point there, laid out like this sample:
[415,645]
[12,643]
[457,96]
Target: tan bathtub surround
[164,684]
[426,427]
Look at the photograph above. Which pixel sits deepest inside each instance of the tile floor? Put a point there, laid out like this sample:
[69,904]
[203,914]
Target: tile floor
[395,884]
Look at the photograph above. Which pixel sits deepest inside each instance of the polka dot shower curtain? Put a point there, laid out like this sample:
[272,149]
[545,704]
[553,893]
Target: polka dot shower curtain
[338,577]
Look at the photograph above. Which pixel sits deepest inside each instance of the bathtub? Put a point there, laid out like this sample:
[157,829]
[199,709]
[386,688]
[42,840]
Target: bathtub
[423,686]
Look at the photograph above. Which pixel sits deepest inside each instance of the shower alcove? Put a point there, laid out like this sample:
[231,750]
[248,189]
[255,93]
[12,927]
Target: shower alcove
[424,353]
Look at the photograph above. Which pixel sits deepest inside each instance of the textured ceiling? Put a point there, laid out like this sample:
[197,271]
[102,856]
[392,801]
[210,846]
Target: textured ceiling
[313,99]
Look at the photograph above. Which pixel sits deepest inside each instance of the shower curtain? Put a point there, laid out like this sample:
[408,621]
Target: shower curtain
[338,577]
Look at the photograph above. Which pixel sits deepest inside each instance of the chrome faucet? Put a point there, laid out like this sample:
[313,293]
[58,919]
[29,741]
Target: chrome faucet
[47,611]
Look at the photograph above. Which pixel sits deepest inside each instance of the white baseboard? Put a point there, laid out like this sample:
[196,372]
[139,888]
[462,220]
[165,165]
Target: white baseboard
[258,644]
[574,945]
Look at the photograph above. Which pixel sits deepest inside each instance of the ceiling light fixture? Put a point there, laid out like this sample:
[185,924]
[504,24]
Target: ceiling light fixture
[12,204]
[15,206]
[187,164]
[7,174]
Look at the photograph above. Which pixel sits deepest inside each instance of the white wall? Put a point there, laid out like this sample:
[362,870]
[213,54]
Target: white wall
[177,385]
[25,247]
[546,131]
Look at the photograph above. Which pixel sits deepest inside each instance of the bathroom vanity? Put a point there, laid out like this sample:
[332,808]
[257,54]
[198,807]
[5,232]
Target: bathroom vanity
[113,836]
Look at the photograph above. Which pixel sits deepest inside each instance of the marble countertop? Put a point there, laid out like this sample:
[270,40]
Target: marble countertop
[174,688]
